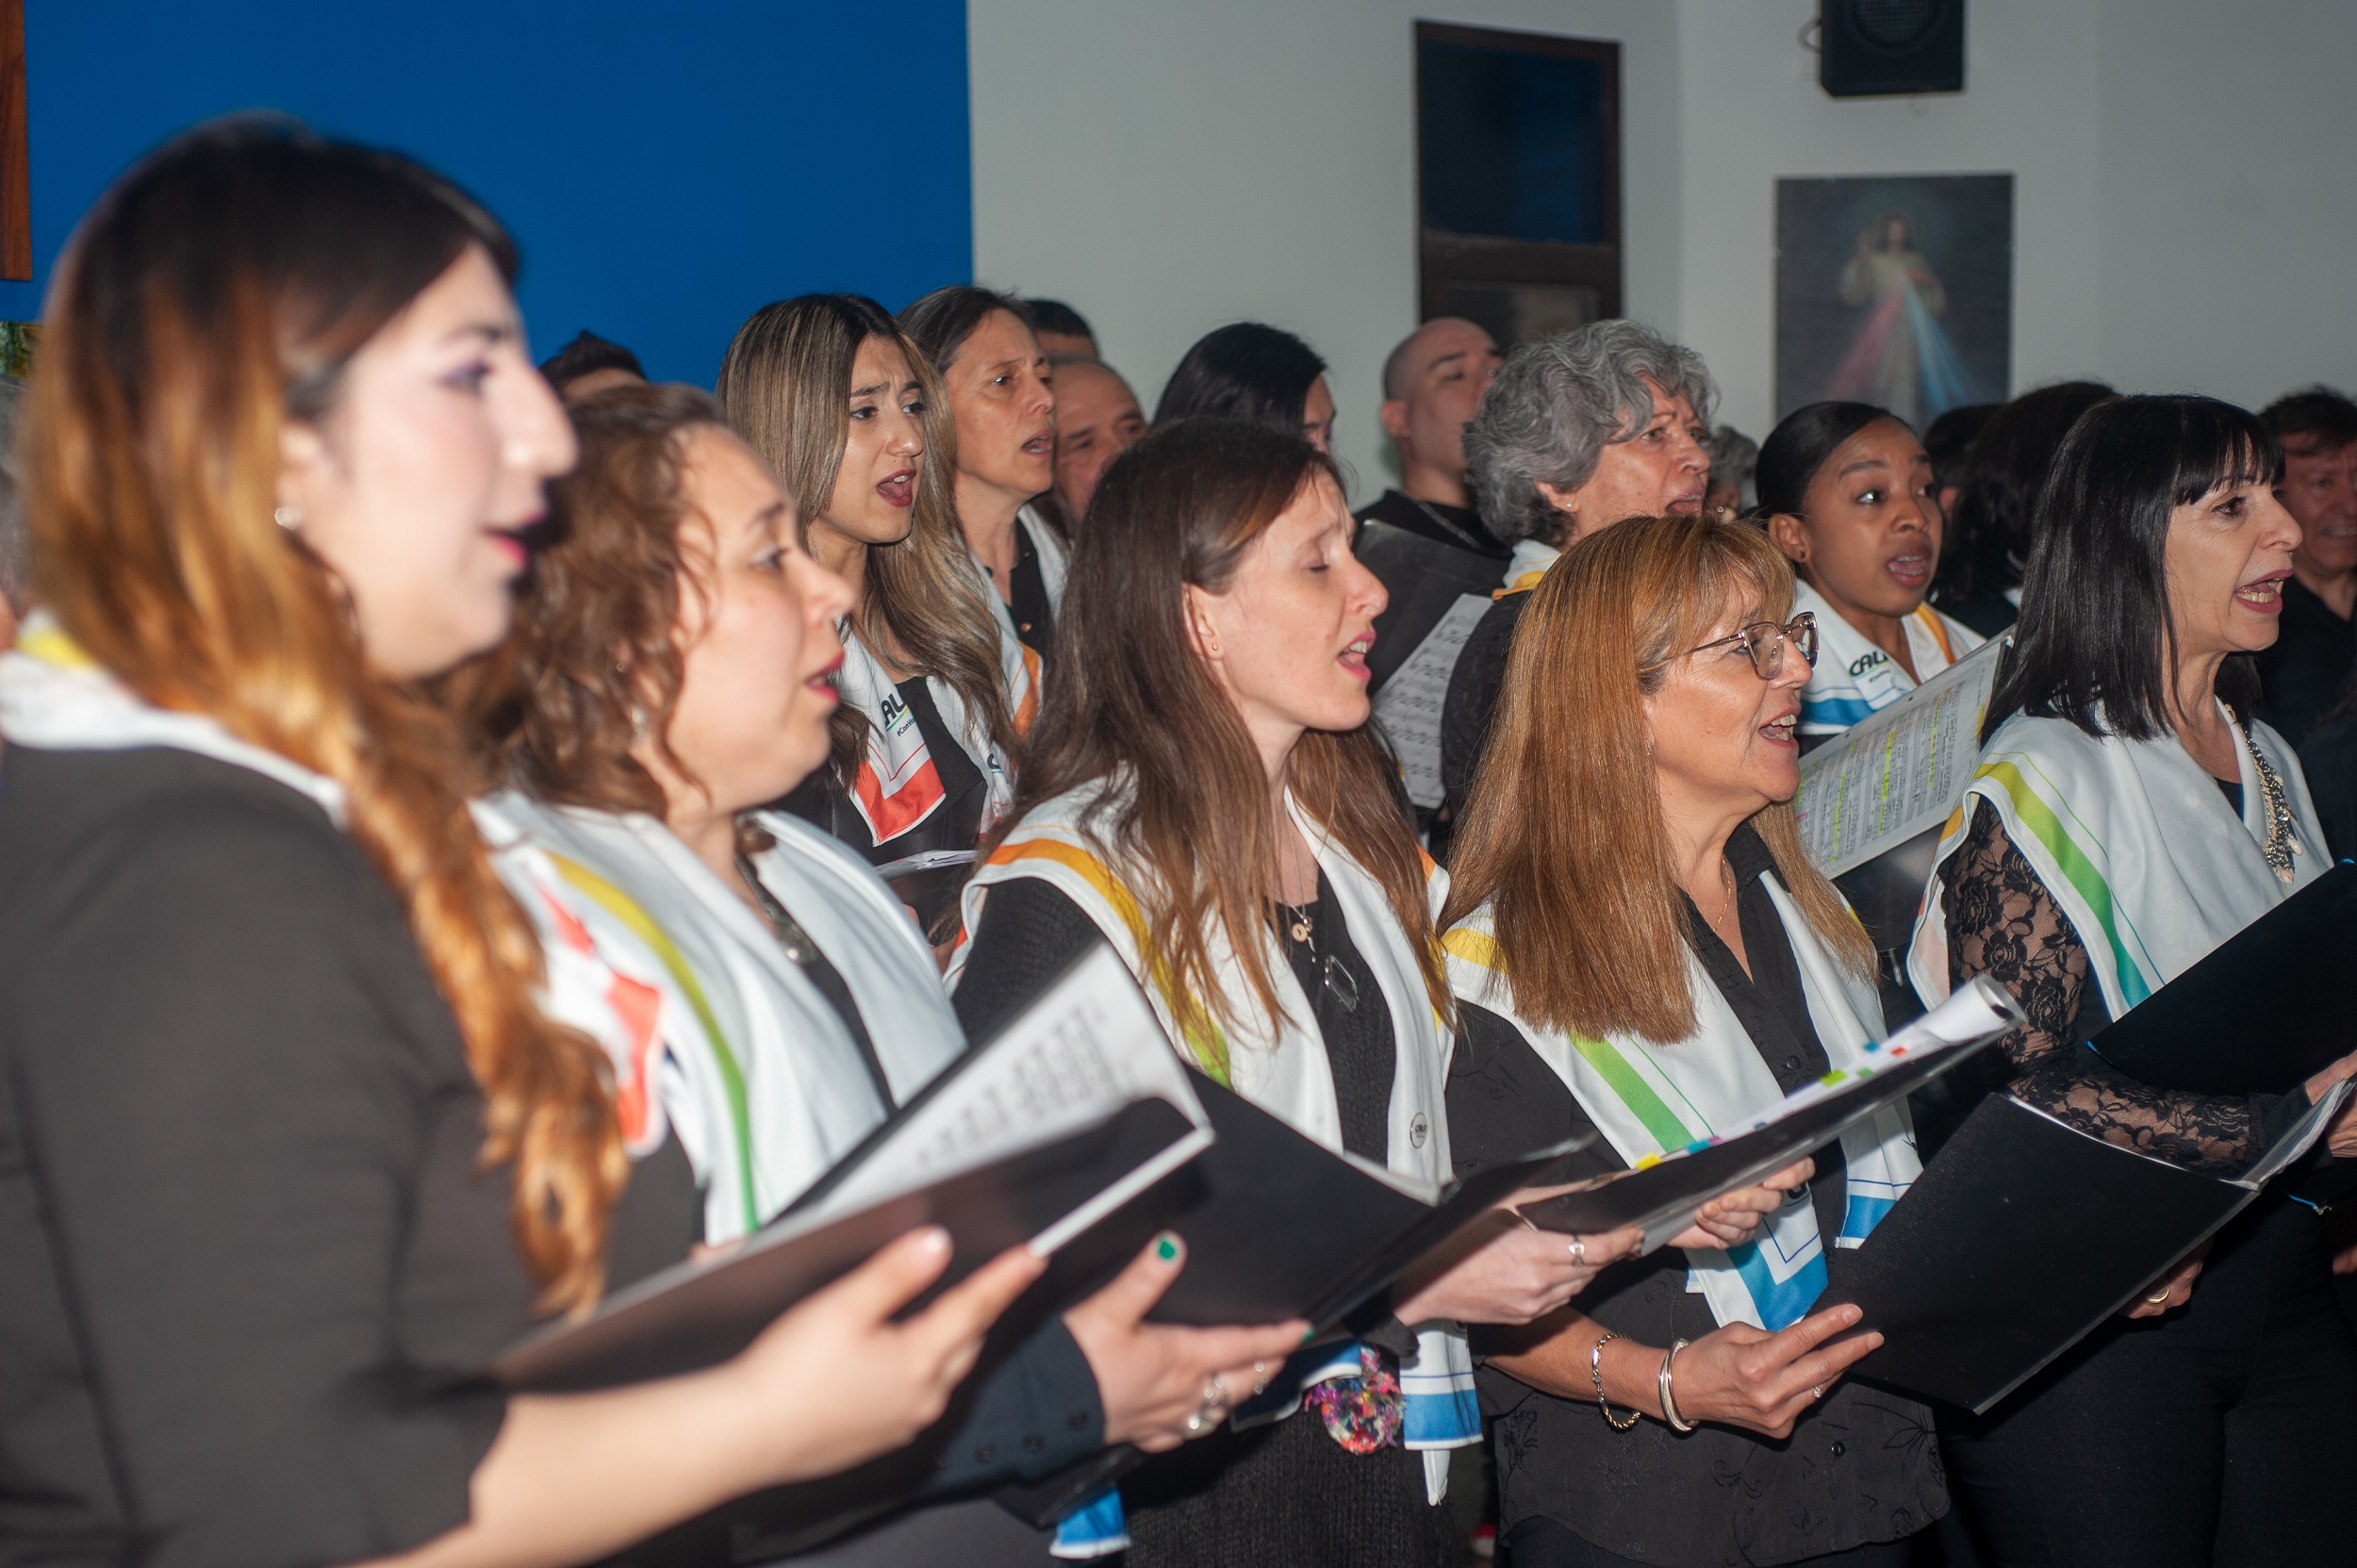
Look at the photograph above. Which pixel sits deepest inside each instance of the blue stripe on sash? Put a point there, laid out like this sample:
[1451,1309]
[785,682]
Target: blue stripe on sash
[1844,711]
[1780,1303]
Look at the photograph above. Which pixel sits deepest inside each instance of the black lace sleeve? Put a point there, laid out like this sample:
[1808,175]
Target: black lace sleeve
[2003,924]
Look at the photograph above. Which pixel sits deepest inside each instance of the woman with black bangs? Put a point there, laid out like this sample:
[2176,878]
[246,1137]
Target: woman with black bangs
[2128,817]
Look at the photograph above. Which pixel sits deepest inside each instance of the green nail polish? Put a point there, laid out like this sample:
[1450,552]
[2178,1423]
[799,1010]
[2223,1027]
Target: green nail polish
[1308,1334]
[1165,1247]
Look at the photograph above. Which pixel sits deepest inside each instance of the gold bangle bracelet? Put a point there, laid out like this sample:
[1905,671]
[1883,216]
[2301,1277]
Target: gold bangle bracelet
[1595,1377]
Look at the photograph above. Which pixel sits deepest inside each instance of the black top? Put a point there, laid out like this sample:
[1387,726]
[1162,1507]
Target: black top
[1473,697]
[250,1261]
[2329,757]
[1349,1013]
[2307,670]
[1028,604]
[2003,923]
[1863,1466]
[1459,527]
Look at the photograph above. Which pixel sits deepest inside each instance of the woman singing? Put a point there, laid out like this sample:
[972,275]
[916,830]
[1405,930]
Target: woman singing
[757,988]
[1204,796]
[1641,947]
[290,1151]
[936,691]
[2127,816]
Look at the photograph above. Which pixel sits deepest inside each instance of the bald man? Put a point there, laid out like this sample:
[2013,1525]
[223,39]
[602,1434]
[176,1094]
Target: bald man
[1432,383]
[1097,420]
[1427,545]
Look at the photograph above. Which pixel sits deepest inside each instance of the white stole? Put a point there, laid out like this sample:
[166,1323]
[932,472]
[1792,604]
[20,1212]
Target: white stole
[1284,1069]
[1526,566]
[2135,842]
[716,1036]
[1651,1100]
[1054,565]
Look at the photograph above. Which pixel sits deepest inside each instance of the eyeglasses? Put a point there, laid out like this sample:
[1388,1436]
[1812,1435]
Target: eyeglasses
[1765,642]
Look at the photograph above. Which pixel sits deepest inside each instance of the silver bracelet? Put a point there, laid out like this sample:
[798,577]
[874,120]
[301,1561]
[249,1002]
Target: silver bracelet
[1669,1400]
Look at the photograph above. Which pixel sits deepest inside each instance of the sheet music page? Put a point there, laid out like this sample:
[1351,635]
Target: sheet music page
[1089,1046]
[1899,772]
[1411,702]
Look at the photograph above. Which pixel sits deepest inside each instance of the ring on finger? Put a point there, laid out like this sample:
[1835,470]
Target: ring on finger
[1817,1392]
[1259,1378]
[1212,1409]
[2157,1299]
[1579,1251]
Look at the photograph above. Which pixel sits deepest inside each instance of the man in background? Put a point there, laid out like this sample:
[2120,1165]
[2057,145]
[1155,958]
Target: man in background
[1098,420]
[2306,671]
[1062,331]
[589,365]
[1432,383]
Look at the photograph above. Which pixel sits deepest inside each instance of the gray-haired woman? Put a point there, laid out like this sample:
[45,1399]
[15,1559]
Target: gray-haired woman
[1581,430]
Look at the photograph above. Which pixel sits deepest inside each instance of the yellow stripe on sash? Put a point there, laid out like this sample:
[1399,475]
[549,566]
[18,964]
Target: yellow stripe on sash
[49,642]
[1203,1038]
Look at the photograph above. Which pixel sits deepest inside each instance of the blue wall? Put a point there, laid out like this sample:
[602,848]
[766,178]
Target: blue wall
[668,166]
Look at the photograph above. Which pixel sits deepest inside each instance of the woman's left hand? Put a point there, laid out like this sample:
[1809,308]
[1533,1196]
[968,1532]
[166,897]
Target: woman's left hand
[1517,1275]
[1733,1219]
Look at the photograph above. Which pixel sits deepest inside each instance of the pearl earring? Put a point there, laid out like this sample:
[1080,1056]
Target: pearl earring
[286,517]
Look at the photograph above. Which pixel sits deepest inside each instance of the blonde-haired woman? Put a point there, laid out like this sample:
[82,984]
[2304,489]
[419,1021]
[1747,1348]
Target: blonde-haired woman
[1640,946]
[937,690]
[289,1150]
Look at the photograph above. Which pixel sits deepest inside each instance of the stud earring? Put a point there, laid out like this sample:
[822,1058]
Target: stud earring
[288,518]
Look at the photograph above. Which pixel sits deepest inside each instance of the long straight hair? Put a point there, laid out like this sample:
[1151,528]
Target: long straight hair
[1135,705]
[785,383]
[215,293]
[1563,833]
[2096,644]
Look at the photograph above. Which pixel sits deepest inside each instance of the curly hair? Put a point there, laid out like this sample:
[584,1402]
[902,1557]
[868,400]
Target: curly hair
[1558,402]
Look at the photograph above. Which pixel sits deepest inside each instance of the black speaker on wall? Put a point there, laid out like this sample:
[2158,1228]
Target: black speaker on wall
[1873,48]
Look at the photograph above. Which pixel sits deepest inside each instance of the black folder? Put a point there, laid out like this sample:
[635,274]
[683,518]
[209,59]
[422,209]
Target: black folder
[2268,1007]
[699,1315]
[1279,1226]
[1088,1053]
[2019,1239]
[1424,577]
[1663,1198]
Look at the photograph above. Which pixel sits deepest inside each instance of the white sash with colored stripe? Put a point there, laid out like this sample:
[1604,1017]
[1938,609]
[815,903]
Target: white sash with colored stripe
[898,786]
[1284,1069]
[1526,566]
[1853,677]
[1650,1100]
[716,1036]
[2137,843]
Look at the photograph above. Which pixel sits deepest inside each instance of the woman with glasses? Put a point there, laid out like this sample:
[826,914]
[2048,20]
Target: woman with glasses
[1641,948]
[1846,492]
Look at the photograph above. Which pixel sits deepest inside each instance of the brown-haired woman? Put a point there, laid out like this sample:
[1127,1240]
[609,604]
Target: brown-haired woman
[271,1032]
[759,991]
[936,691]
[1204,795]
[1001,397]
[1640,946]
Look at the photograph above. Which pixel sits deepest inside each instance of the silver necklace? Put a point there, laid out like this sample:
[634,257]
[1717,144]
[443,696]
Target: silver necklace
[1300,924]
[2281,842]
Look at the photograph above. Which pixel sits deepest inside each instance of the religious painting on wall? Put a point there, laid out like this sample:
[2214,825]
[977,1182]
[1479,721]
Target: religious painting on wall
[1895,290]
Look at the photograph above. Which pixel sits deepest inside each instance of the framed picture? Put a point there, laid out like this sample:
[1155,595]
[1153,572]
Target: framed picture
[1895,290]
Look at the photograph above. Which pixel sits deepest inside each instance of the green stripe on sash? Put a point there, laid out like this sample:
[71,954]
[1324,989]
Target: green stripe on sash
[2076,867]
[1662,1123]
[620,904]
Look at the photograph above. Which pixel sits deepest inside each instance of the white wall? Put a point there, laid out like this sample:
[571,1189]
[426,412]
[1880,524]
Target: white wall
[1171,165]
[1752,112]
[2182,171]
[2227,230]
